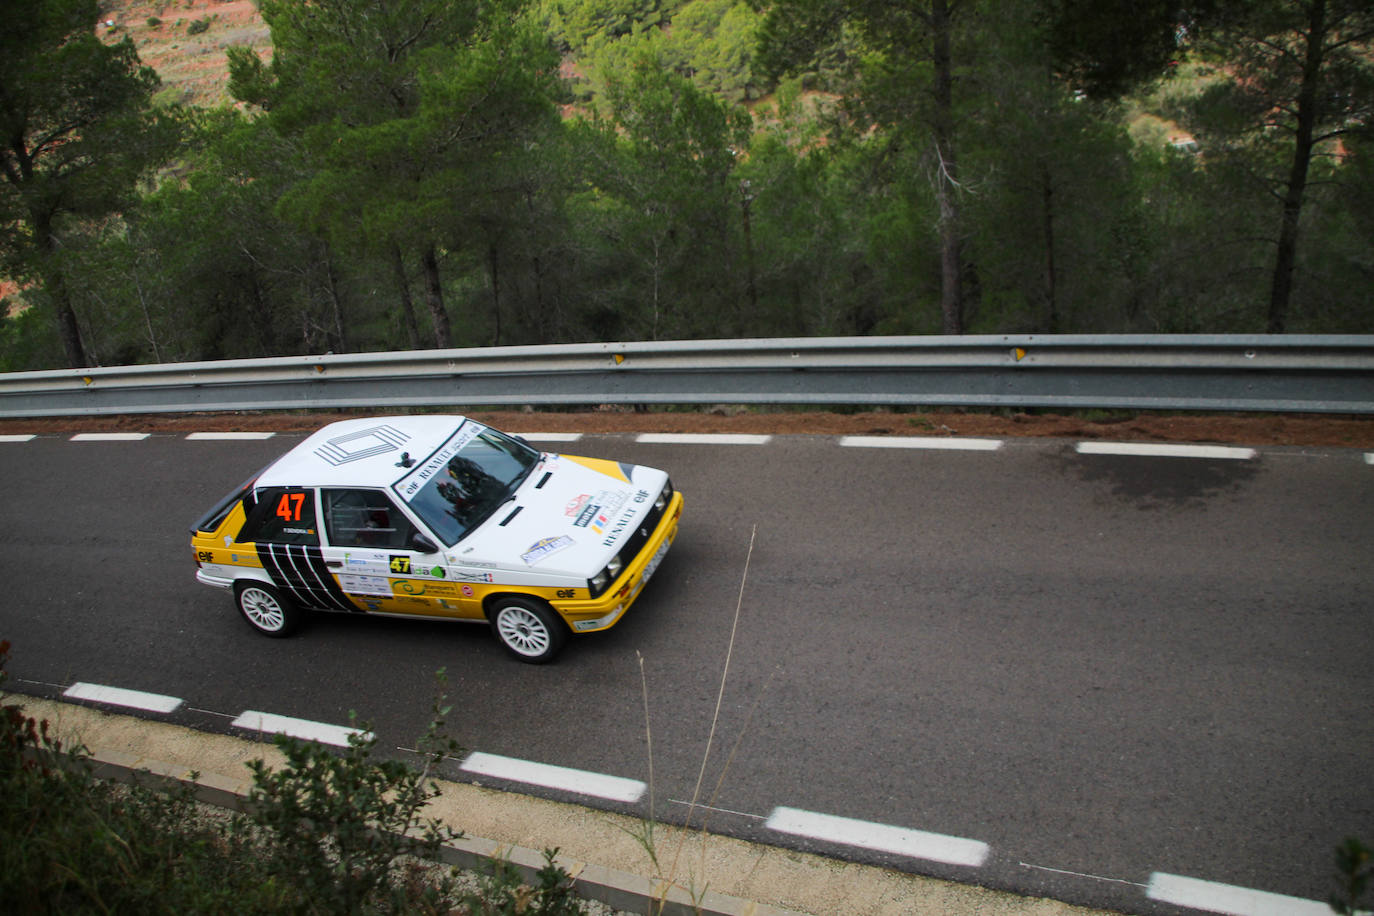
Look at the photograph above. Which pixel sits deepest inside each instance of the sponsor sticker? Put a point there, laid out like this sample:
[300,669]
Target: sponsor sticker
[467,591]
[425,589]
[413,482]
[473,577]
[609,503]
[365,585]
[544,548]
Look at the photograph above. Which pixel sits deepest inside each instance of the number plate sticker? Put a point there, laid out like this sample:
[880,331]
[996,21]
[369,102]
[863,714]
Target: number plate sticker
[653,564]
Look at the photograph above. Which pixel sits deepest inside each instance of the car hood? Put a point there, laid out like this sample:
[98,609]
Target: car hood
[569,517]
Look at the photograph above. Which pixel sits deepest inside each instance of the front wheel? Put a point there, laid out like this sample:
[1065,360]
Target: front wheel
[265,609]
[528,628]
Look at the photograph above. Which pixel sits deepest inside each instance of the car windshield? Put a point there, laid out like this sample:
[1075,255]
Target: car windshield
[470,476]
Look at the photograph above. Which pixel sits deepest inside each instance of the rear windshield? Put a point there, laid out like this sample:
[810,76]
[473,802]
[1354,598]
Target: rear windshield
[466,480]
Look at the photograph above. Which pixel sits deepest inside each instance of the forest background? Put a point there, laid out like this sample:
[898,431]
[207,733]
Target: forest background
[355,175]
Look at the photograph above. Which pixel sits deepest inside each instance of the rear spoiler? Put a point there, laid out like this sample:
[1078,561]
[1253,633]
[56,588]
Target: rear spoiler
[211,520]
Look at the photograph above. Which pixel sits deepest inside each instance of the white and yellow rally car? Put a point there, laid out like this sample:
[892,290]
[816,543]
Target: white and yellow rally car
[440,517]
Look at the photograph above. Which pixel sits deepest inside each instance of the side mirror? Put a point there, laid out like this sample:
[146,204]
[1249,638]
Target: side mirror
[422,543]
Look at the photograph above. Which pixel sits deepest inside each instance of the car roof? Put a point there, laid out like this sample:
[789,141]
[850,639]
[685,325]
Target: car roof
[360,453]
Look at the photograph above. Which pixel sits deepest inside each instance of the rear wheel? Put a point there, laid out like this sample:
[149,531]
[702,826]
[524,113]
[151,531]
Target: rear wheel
[265,609]
[528,628]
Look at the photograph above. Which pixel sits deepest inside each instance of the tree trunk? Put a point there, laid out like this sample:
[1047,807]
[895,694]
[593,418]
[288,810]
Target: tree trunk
[947,172]
[1286,257]
[336,304]
[408,322]
[56,286]
[1051,278]
[434,298]
[494,269]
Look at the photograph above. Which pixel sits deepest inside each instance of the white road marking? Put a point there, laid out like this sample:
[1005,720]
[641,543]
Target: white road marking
[553,777]
[551,437]
[1165,450]
[118,696]
[702,439]
[201,436]
[297,728]
[1369,457]
[929,442]
[15,438]
[1226,898]
[109,437]
[903,841]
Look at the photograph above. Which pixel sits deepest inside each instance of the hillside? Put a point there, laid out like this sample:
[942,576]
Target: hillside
[188,55]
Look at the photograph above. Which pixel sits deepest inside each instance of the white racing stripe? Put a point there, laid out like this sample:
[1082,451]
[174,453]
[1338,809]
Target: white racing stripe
[118,696]
[550,437]
[15,438]
[702,439]
[195,437]
[553,777]
[1164,450]
[928,442]
[916,844]
[297,728]
[1226,898]
[109,437]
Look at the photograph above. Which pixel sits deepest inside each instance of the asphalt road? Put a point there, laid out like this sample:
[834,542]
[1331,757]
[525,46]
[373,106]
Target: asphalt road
[1103,667]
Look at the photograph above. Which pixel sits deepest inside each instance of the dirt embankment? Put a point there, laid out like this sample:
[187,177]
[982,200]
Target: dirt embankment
[1253,430]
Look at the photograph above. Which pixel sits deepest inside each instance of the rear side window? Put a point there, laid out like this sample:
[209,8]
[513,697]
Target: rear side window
[283,515]
[364,518]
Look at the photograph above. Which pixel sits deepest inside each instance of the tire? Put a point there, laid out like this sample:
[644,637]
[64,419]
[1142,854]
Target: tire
[527,628]
[265,609]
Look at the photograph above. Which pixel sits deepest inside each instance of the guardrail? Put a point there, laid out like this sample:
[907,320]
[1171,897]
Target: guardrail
[1314,373]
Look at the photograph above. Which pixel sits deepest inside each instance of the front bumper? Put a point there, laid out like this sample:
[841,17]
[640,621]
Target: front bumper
[604,612]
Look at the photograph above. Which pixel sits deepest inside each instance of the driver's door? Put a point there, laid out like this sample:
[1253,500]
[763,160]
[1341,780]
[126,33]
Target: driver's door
[380,557]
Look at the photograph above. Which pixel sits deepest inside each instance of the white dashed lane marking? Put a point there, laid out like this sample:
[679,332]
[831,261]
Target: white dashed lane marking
[1225,898]
[297,728]
[15,438]
[119,696]
[702,439]
[903,841]
[927,442]
[581,782]
[551,437]
[202,436]
[109,437]
[1165,450]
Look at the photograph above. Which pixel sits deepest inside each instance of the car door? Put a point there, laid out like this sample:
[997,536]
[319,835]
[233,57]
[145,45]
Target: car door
[381,557]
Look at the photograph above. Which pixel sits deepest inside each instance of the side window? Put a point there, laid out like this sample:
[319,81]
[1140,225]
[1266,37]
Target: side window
[365,518]
[282,516]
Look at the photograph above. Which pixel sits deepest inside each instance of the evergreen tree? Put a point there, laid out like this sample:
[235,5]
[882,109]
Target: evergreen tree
[76,135]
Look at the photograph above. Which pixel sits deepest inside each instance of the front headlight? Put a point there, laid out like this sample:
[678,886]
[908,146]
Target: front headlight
[602,580]
[664,496]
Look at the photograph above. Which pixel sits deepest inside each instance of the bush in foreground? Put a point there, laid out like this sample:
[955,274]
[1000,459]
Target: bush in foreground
[329,833]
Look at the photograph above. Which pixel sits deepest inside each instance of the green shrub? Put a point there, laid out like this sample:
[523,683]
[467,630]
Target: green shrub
[325,838]
[198,26]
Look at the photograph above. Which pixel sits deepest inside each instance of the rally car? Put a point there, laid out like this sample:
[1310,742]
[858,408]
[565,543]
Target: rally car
[440,517]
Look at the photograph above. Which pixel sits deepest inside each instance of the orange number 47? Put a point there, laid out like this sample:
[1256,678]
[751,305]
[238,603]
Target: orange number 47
[290,506]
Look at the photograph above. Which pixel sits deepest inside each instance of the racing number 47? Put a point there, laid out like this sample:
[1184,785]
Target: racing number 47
[289,507]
